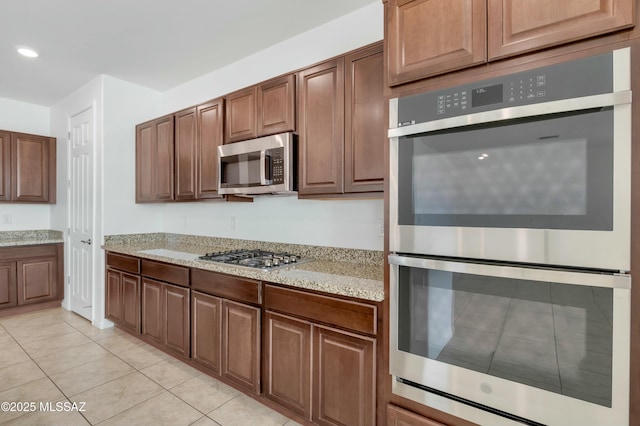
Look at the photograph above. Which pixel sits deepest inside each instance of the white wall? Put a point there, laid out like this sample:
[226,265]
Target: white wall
[27,118]
[342,223]
[125,105]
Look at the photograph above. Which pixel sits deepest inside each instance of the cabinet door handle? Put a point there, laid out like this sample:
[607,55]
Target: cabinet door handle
[86,241]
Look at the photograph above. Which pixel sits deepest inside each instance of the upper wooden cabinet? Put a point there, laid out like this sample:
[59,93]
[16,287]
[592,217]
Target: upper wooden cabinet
[185,154]
[518,26]
[155,160]
[342,125]
[210,136]
[431,37]
[28,165]
[177,155]
[264,109]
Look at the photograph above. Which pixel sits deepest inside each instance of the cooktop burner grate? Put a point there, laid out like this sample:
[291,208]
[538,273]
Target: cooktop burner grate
[255,259]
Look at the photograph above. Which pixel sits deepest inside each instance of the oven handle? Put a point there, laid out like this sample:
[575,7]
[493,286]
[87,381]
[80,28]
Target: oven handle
[605,280]
[564,105]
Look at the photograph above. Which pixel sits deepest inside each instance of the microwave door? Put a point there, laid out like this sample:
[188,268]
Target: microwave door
[241,170]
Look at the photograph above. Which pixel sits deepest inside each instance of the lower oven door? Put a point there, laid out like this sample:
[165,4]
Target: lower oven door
[490,342]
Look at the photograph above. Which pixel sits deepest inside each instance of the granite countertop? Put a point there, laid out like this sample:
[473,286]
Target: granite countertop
[30,237]
[354,273]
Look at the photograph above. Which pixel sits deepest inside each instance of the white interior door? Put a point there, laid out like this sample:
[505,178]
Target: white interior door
[81,143]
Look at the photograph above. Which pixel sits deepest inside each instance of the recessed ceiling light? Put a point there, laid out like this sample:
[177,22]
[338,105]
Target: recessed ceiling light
[29,53]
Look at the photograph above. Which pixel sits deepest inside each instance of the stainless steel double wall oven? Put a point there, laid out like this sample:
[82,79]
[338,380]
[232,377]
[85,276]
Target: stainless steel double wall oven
[510,245]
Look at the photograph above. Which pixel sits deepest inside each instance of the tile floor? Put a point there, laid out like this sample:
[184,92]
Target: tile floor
[56,356]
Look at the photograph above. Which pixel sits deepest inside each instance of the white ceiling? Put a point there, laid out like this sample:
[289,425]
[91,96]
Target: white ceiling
[155,43]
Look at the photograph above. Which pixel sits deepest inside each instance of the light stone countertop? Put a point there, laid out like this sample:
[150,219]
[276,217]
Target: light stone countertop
[353,273]
[30,237]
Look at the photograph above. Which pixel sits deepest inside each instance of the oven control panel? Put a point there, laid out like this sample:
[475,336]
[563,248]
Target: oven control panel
[583,77]
[277,165]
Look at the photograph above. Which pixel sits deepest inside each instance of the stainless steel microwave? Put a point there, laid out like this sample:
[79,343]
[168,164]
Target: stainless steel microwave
[264,165]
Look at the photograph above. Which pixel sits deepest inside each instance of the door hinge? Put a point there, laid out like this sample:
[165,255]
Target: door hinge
[69,135]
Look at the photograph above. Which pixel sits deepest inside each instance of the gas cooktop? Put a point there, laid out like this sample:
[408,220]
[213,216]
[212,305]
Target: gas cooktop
[255,259]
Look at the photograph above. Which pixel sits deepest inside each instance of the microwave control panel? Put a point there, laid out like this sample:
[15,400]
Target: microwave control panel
[567,80]
[277,165]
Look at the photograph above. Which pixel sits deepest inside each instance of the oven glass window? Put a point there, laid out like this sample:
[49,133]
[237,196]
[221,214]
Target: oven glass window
[550,172]
[555,337]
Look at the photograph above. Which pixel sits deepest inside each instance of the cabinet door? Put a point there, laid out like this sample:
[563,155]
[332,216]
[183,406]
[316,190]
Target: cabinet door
[365,136]
[185,154]
[206,328]
[321,132]
[176,319]
[32,168]
[241,115]
[164,160]
[399,417]
[518,26]
[145,168]
[8,287]
[343,378]
[152,305]
[36,280]
[5,163]
[430,37]
[241,345]
[130,302]
[288,363]
[276,106]
[113,306]
[210,137]
[155,160]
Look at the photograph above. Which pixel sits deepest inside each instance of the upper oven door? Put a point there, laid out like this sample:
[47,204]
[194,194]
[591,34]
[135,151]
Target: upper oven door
[547,184]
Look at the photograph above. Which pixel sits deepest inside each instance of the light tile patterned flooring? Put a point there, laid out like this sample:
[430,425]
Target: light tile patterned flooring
[57,356]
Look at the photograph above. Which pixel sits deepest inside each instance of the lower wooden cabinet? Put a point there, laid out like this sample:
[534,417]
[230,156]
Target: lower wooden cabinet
[165,315]
[288,363]
[241,345]
[206,330]
[324,374]
[30,275]
[123,299]
[344,378]
[8,285]
[226,339]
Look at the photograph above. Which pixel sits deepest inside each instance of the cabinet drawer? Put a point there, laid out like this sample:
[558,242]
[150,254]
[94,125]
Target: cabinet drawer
[227,286]
[123,263]
[173,274]
[24,252]
[355,316]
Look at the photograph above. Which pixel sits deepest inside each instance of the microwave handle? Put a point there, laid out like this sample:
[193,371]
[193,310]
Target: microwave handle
[263,169]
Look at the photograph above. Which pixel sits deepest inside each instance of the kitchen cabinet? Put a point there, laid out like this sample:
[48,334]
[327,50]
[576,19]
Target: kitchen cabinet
[519,26]
[226,328]
[31,277]
[155,160]
[8,285]
[288,362]
[185,154]
[28,164]
[210,135]
[264,109]
[166,306]
[342,125]
[206,330]
[177,155]
[397,416]
[430,37]
[320,356]
[123,291]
